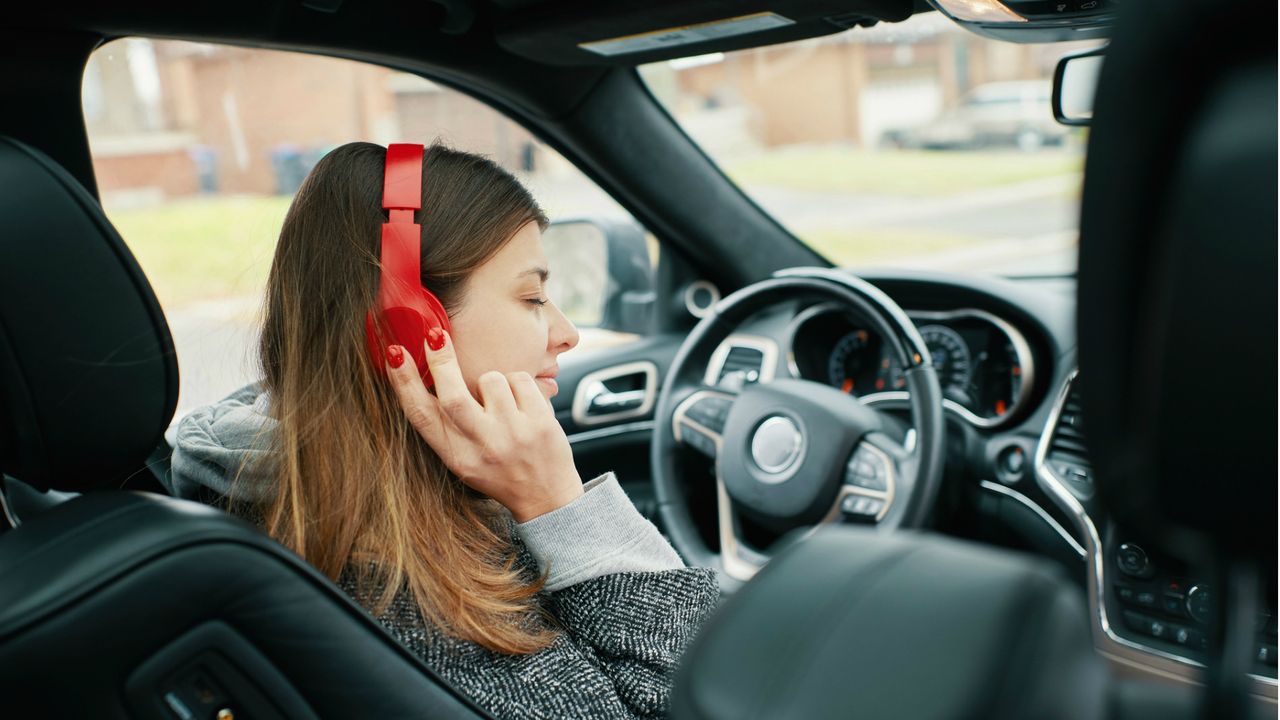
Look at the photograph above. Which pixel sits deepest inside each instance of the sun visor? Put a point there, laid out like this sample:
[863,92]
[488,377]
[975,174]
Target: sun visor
[634,32]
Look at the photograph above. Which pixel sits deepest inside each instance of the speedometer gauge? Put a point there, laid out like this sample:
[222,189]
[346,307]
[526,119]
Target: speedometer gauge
[950,359]
[849,359]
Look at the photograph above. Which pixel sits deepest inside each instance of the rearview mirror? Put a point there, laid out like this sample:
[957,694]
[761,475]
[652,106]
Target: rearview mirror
[601,275]
[1074,83]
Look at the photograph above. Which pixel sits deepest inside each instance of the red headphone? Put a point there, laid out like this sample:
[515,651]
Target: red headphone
[406,310]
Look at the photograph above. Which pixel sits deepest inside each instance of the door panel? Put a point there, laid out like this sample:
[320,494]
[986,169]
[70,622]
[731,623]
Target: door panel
[621,444]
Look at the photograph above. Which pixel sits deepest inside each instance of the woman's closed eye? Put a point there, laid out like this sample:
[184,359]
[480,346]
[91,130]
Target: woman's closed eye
[537,301]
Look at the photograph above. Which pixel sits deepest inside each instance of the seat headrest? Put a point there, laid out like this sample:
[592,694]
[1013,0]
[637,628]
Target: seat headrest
[1177,277]
[849,622]
[88,374]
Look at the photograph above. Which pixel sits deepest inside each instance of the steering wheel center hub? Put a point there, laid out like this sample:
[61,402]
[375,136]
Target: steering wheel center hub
[776,447]
[786,444]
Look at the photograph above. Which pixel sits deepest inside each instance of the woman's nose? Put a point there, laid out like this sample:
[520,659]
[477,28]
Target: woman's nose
[564,335]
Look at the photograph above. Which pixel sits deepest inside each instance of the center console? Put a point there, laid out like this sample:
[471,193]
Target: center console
[1148,611]
[1161,605]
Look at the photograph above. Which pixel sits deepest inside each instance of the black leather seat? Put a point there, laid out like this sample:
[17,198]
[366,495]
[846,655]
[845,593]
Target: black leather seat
[129,604]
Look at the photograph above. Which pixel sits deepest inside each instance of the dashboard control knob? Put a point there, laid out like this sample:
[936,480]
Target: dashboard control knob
[1011,461]
[1200,603]
[1133,561]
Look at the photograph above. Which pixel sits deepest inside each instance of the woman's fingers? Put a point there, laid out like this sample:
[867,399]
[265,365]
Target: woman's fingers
[451,390]
[422,410]
[528,397]
[497,394]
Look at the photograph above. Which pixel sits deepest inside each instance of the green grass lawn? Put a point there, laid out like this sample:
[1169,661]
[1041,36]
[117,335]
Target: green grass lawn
[204,248]
[894,172]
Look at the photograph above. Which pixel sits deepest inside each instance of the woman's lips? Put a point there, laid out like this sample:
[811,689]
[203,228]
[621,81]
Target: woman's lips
[548,379]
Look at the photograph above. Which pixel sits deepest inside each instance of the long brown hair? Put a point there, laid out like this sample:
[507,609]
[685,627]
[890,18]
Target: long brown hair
[357,489]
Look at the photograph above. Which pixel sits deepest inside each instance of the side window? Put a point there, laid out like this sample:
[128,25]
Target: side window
[198,150]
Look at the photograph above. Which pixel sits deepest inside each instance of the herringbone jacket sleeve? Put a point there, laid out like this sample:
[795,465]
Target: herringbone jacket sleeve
[636,625]
[620,591]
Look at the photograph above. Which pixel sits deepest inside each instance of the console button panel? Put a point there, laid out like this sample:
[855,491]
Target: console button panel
[1159,605]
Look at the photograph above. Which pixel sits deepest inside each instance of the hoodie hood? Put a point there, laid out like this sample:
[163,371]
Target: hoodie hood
[215,441]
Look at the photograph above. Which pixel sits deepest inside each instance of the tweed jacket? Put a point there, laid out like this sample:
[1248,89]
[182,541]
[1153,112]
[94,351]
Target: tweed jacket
[623,635]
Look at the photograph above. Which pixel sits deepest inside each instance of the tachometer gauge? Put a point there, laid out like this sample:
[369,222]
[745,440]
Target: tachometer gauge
[849,360]
[950,359]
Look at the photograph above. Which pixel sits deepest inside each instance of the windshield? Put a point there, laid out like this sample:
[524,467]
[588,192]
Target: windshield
[914,144]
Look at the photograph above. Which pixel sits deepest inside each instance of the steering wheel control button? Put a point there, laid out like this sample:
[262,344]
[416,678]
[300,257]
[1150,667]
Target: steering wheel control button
[710,412]
[1133,561]
[866,471]
[861,507]
[699,441]
[777,445]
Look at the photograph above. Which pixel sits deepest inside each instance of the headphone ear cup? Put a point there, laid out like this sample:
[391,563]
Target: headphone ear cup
[432,316]
[407,327]
[398,326]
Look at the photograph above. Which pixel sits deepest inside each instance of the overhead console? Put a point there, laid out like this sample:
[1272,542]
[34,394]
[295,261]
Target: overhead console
[1032,21]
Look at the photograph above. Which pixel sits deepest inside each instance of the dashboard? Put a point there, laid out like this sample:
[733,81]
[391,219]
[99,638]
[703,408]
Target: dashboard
[984,363]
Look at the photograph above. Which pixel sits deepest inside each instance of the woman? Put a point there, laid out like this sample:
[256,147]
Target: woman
[457,518]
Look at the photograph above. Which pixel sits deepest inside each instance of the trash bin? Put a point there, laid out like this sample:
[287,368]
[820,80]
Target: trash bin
[287,161]
[312,156]
[205,158]
[528,153]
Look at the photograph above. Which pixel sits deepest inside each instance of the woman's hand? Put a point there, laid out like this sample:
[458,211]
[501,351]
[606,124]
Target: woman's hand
[508,446]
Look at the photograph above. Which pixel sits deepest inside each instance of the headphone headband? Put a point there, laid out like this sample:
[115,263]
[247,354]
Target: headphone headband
[402,180]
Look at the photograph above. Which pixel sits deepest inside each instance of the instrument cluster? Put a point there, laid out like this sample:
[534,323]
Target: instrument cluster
[984,364]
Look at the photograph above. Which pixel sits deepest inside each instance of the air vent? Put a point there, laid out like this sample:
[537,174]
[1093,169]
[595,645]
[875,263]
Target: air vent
[745,362]
[1068,453]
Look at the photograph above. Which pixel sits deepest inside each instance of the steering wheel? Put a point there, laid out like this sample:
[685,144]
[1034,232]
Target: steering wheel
[793,453]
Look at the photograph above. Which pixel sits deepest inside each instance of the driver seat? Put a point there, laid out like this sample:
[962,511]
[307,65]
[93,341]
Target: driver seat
[127,604]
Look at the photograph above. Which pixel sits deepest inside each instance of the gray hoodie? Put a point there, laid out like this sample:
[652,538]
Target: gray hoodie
[214,441]
[598,534]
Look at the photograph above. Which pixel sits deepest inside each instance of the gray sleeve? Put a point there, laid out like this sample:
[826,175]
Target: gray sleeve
[600,533]
[222,444]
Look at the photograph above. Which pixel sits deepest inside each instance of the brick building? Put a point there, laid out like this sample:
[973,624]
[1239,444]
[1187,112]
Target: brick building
[168,119]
